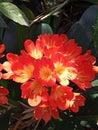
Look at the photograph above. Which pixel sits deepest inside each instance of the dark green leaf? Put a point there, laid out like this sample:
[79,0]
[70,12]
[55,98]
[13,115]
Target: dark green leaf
[96,33]
[3,82]
[82,30]
[28,13]
[2,23]
[22,35]
[78,32]
[40,28]
[14,13]
[45,28]
[94,96]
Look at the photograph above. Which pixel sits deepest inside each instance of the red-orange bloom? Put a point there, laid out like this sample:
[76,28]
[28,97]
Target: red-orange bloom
[71,49]
[23,69]
[7,65]
[34,91]
[3,93]
[44,72]
[60,97]
[87,57]
[85,76]
[48,70]
[65,68]
[78,100]
[45,112]
[33,50]
[51,43]
[85,70]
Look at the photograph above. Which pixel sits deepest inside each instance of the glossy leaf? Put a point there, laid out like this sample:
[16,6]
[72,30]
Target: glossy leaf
[40,28]
[82,30]
[14,13]
[45,28]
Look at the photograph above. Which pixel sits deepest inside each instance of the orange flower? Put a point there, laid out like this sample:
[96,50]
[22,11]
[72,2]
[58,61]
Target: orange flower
[44,72]
[3,93]
[51,43]
[7,65]
[85,70]
[48,70]
[8,72]
[34,91]
[85,76]
[78,100]
[87,57]
[65,69]
[12,58]
[45,112]
[23,69]
[71,49]
[19,68]
[60,96]
[34,51]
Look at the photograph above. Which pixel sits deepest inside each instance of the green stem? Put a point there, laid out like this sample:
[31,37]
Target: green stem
[53,10]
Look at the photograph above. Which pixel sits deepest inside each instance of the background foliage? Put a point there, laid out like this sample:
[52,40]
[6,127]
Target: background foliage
[23,19]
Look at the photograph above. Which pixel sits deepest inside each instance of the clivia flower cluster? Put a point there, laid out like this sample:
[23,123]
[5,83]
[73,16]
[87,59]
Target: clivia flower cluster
[51,71]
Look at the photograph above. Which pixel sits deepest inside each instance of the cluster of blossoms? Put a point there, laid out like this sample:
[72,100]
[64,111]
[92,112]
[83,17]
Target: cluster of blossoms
[48,71]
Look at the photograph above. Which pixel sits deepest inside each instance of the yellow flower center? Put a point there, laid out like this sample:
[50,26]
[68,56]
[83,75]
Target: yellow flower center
[46,73]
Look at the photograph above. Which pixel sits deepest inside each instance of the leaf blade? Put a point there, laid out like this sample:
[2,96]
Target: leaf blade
[14,13]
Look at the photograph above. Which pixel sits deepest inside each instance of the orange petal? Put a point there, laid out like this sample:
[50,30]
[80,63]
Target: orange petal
[35,101]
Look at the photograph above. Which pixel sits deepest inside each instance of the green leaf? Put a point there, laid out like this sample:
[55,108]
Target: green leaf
[22,35]
[78,32]
[40,28]
[3,82]
[14,13]
[28,13]
[94,96]
[45,28]
[95,83]
[96,33]
[2,23]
